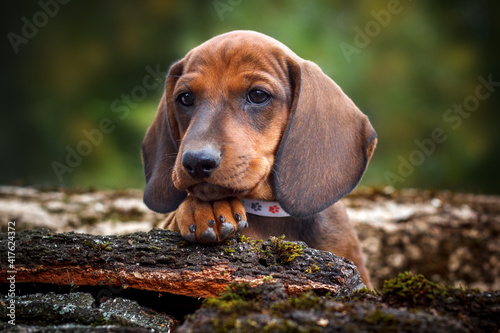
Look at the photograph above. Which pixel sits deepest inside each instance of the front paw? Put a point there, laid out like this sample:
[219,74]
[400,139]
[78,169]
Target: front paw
[210,221]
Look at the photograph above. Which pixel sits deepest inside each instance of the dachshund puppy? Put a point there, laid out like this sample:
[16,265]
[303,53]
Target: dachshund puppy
[249,137]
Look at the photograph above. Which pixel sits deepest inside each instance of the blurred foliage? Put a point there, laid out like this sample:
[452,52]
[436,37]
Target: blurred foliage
[427,58]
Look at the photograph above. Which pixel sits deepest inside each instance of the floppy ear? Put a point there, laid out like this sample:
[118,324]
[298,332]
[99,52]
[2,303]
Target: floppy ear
[159,151]
[326,147]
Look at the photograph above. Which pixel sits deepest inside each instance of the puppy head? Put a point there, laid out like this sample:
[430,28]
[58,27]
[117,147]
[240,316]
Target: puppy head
[243,116]
[224,111]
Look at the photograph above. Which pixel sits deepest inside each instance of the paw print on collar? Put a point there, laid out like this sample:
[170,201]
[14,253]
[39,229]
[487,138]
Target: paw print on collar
[257,207]
[264,208]
[274,209]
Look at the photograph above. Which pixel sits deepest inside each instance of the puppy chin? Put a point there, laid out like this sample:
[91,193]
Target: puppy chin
[211,192]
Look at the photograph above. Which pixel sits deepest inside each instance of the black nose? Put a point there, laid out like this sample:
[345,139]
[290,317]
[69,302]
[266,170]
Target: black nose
[200,163]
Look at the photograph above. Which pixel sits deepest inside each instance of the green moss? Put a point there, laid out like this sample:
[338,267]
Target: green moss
[286,251]
[236,299]
[314,268]
[225,325]
[477,309]
[362,295]
[414,290]
[243,239]
[280,251]
[97,245]
[240,300]
[254,243]
[229,250]
[268,278]
[385,322]
[306,301]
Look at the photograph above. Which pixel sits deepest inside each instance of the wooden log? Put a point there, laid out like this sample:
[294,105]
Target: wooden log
[162,261]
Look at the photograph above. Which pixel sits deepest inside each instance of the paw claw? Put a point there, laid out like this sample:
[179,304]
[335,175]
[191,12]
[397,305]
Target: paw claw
[209,221]
[190,237]
[242,224]
[226,230]
[209,235]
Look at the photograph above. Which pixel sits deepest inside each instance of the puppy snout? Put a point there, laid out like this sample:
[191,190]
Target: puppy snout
[201,163]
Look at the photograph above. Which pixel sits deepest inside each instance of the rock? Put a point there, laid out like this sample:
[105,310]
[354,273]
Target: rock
[77,312]
[452,238]
[63,210]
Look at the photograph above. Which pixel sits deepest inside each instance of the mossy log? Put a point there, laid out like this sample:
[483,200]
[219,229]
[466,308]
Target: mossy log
[162,261]
[447,236]
[407,303]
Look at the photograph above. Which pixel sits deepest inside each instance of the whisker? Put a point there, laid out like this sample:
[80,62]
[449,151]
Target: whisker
[261,177]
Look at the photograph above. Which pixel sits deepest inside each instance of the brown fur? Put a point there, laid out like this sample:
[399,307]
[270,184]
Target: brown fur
[306,147]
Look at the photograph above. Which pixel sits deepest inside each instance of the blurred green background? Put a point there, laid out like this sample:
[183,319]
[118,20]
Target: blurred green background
[405,64]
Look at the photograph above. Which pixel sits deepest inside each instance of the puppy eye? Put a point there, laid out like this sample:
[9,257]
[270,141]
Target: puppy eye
[258,96]
[186,99]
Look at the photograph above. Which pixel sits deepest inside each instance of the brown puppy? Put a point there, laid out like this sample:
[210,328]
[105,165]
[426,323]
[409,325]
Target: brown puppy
[245,130]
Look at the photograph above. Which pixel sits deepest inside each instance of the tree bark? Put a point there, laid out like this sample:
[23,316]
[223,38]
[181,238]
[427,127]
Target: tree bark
[162,261]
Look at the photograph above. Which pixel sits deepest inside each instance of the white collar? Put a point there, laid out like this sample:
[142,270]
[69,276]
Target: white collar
[264,208]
